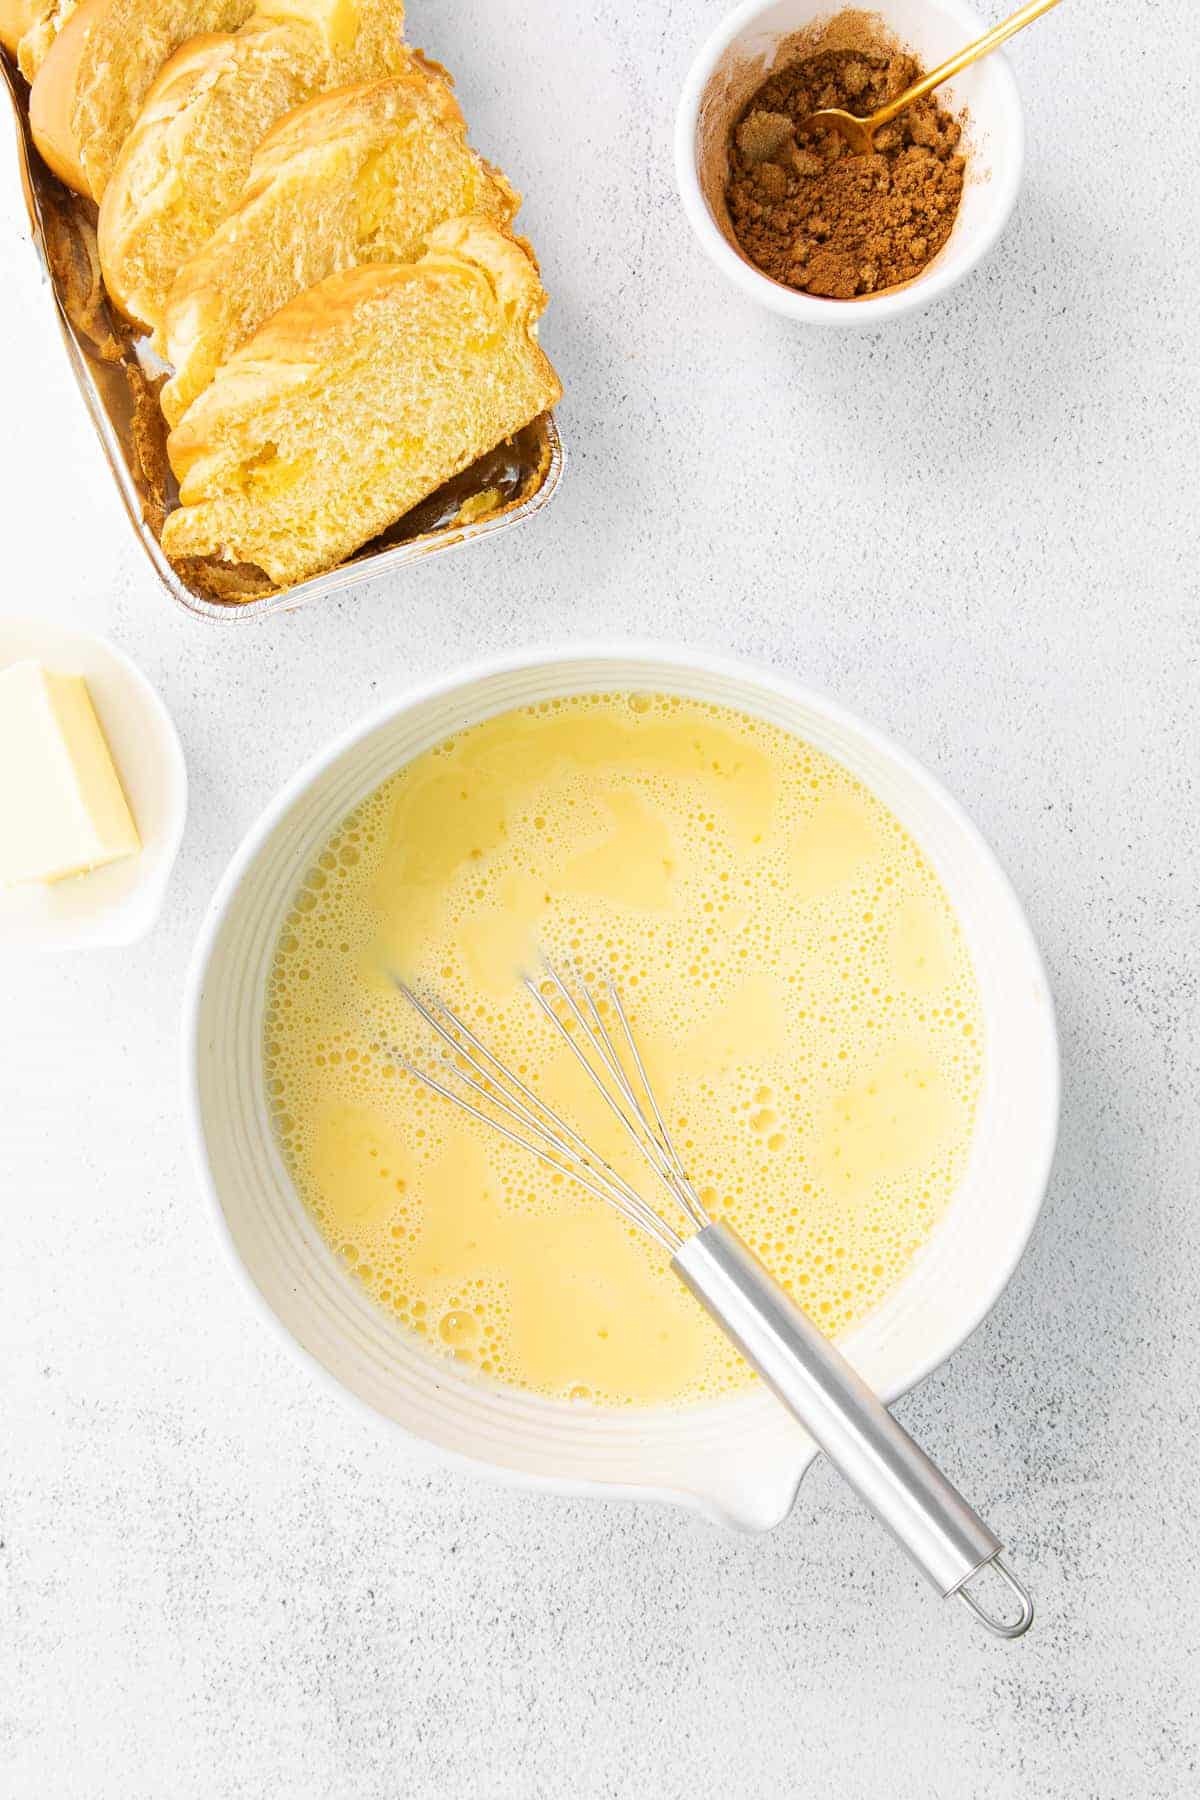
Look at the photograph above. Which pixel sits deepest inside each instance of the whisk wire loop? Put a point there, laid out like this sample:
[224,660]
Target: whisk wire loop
[557,1144]
[577,1170]
[603,1052]
[694,1206]
[659,1154]
[463,1035]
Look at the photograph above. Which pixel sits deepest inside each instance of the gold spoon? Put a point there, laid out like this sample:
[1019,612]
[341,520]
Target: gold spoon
[860,133]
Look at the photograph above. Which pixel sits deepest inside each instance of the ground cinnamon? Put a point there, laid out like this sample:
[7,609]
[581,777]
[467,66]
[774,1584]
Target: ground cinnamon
[810,213]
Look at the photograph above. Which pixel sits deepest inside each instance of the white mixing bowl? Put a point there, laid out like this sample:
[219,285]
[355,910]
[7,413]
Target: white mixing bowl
[742,52]
[739,1459]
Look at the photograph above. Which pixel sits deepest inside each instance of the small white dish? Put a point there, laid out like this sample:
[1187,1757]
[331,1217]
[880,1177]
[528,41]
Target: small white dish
[117,904]
[739,56]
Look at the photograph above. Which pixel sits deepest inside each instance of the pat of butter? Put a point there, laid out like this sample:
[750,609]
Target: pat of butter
[62,807]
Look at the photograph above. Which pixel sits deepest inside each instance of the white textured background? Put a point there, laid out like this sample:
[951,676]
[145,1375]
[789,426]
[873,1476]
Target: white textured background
[979,529]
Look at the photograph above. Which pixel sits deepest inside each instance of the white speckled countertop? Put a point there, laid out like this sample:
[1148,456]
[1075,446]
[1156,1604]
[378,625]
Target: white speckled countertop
[978,529]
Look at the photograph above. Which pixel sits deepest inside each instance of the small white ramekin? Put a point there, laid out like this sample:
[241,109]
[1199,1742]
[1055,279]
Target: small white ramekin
[119,903]
[741,53]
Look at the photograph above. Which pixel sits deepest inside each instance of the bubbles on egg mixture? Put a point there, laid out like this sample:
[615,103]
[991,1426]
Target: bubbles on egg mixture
[796,978]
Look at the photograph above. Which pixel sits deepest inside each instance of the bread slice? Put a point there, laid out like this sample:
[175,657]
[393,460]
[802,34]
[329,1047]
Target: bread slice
[358,175]
[29,27]
[357,399]
[96,72]
[187,158]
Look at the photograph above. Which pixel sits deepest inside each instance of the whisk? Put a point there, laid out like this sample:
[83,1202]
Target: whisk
[945,1538]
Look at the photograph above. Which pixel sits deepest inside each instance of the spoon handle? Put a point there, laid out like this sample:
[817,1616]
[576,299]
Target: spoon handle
[997,35]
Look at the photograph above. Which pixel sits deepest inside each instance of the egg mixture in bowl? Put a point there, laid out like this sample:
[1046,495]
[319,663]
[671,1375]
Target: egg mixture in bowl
[797,979]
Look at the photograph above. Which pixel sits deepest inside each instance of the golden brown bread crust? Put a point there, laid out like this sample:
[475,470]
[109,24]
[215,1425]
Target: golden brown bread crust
[330,115]
[359,174]
[79,112]
[290,404]
[15,20]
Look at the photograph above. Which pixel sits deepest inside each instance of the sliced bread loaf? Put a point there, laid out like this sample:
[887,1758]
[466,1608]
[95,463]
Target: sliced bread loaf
[96,72]
[186,159]
[358,175]
[358,398]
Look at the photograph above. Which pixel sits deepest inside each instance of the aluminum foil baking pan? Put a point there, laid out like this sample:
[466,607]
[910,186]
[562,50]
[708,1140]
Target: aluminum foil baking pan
[119,377]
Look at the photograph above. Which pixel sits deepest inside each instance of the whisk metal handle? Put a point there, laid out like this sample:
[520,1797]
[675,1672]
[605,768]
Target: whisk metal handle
[907,1492]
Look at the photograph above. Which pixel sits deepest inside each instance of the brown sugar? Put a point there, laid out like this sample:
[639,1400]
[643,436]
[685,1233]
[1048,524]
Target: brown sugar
[809,212]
